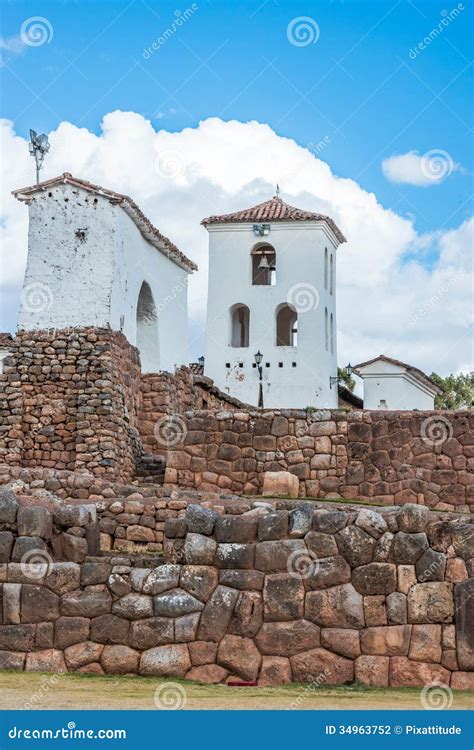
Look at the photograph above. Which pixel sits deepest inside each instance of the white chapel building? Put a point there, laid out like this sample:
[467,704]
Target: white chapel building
[272,293]
[94,259]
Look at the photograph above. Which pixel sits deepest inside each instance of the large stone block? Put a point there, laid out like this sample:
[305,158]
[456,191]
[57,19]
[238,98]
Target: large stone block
[120,660]
[199,549]
[330,571]
[273,526]
[80,654]
[234,555]
[200,520]
[275,670]
[70,630]
[49,660]
[63,577]
[155,631]
[321,545]
[109,629]
[329,522]
[287,638]
[248,614]
[396,608]
[8,506]
[273,557]
[202,652]
[280,484]
[12,660]
[355,545]
[464,618]
[199,580]
[85,603]
[244,580]
[430,566]
[413,518]
[425,643]
[175,603]
[407,673]
[322,667]
[170,661]
[38,604]
[235,529]
[387,640]
[300,520]
[27,548]
[431,602]
[217,614]
[342,641]
[372,670]
[162,578]
[34,521]
[95,571]
[371,522]
[17,637]
[208,674]
[133,606]
[407,548]
[240,656]
[375,578]
[6,546]
[283,598]
[340,606]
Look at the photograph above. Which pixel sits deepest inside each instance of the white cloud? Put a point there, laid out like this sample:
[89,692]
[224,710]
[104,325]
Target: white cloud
[422,170]
[385,304]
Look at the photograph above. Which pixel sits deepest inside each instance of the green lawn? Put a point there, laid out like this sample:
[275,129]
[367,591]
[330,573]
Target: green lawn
[20,690]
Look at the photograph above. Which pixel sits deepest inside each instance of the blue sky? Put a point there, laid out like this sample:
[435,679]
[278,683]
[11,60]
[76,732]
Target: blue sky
[376,92]
[357,85]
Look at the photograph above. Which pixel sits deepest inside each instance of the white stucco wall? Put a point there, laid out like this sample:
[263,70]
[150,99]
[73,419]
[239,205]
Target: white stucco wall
[86,263]
[299,261]
[389,383]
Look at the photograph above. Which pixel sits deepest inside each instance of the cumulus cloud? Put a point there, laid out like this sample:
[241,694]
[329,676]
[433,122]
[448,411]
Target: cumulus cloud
[422,170]
[386,303]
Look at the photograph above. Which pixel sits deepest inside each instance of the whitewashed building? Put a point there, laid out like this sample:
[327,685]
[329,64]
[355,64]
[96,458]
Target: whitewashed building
[272,290]
[391,384]
[94,259]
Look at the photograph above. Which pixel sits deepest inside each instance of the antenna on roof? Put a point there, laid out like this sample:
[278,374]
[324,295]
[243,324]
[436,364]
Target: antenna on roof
[277,191]
[38,147]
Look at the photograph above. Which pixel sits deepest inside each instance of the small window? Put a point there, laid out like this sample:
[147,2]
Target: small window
[325,268]
[286,326]
[227,364]
[326,329]
[331,334]
[240,323]
[280,364]
[267,364]
[293,364]
[331,275]
[263,266]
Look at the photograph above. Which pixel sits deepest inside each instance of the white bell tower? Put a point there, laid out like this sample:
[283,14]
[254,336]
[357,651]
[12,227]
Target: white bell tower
[271,312]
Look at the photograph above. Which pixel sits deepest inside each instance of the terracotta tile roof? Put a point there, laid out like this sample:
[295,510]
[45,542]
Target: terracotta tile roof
[274,210]
[347,397]
[418,374]
[148,230]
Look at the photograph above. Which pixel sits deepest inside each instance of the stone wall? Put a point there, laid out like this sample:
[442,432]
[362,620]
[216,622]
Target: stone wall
[68,400]
[385,457]
[265,597]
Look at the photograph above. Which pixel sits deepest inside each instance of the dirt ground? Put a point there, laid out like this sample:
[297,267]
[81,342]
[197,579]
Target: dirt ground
[25,690]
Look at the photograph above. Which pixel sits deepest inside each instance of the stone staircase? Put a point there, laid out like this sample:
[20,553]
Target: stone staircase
[151,468]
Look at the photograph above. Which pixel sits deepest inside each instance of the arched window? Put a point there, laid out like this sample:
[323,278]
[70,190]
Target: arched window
[331,276]
[147,330]
[240,324]
[325,268]
[326,329]
[286,326]
[331,334]
[263,265]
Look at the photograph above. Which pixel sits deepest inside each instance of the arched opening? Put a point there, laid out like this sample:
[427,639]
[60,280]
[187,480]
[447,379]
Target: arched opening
[331,334]
[147,330]
[240,325]
[325,268]
[331,275]
[263,265]
[286,326]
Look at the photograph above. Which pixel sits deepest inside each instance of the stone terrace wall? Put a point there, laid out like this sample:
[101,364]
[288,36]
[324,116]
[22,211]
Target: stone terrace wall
[68,400]
[267,597]
[387,457]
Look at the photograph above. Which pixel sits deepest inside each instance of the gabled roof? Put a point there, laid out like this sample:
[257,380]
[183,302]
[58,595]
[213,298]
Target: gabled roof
[274,210]
[147,229]
[418,374]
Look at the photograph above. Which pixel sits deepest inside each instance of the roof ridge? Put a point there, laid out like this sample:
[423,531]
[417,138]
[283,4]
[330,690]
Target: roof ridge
[148,230]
